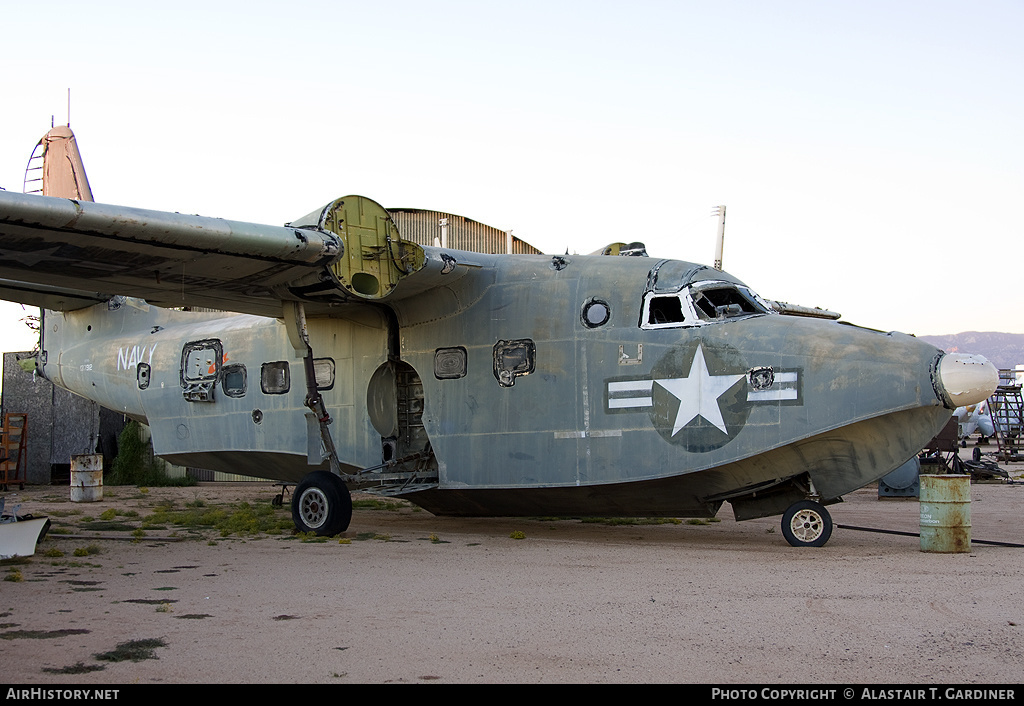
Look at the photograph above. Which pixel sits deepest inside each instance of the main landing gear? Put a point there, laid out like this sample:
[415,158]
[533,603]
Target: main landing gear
[806,524]
[321,503]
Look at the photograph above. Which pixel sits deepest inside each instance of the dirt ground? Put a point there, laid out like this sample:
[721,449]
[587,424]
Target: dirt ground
[408,597]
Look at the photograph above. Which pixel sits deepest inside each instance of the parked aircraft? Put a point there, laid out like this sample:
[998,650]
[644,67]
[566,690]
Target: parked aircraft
[974,418]
[338,355]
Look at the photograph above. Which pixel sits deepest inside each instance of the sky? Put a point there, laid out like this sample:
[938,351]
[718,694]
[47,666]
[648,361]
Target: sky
[870,154]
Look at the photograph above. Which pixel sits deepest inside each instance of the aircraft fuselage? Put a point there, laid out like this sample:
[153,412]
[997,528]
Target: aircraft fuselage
[575,384]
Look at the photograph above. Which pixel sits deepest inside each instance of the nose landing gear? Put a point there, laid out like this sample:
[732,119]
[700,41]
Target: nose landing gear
[807,524]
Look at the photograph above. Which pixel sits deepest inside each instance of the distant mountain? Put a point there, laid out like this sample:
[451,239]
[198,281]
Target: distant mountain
[1005,350]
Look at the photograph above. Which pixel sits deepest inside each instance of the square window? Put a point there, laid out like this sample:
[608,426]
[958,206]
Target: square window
[450,363]
[323,371]
[233,381]
[275,378]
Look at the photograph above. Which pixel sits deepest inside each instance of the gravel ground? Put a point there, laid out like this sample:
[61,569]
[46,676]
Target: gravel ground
[408,597]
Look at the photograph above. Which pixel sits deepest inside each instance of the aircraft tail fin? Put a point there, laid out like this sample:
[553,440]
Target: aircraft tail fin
[56,168]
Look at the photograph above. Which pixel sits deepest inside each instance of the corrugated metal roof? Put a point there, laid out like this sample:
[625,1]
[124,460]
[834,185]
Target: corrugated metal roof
[424,228]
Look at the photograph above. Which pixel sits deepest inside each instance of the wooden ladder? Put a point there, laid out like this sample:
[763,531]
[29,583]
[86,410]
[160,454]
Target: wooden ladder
[13,437]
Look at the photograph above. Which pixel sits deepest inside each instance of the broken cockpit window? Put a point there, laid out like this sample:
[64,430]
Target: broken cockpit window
[664,310]
[700,303]
[723,302]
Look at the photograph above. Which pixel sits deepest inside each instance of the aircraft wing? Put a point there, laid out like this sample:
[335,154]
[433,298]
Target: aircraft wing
[66,254]
[49,296]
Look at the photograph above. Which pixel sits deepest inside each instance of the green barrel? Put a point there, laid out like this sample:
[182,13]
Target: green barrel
[946,513]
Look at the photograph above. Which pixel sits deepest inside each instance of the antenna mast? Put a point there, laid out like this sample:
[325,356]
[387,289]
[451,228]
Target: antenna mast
[720,242]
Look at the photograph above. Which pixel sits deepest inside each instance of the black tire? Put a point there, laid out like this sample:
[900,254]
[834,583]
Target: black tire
[976,454]
[321,503]
[806,524]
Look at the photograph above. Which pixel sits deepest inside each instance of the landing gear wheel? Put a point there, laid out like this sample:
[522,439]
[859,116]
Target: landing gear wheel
[321,503]
[806,524]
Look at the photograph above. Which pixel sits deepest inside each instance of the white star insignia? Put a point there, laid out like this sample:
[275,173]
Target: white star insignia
[698,393]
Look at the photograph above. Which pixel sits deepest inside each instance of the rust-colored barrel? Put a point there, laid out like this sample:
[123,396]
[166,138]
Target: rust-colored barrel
[86,478]
[945,513]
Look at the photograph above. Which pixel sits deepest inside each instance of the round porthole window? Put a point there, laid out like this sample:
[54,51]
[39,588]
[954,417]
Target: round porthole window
[596,313]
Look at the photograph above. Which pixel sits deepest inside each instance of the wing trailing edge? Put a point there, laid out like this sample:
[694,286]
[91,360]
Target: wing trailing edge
[49,297]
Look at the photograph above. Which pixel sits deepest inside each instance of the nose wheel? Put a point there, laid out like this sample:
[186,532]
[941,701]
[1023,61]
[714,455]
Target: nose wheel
[807,524]
[321,503]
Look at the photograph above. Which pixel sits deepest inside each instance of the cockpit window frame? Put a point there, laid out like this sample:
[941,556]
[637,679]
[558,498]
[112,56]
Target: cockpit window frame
[692,313]
[689,317]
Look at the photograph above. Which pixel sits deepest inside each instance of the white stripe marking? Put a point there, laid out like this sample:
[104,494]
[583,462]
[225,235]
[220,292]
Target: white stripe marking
[783,388]
[631,386]
[624,402]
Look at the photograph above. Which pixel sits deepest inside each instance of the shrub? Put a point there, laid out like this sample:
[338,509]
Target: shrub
[135,465]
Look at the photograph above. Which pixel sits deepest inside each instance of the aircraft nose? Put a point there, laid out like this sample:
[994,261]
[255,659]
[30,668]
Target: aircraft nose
[966,379]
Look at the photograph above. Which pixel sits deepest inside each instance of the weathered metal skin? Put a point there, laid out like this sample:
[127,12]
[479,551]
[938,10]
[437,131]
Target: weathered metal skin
[168,230]
[560,438]
[469,383]
[863,403]
[96,353]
